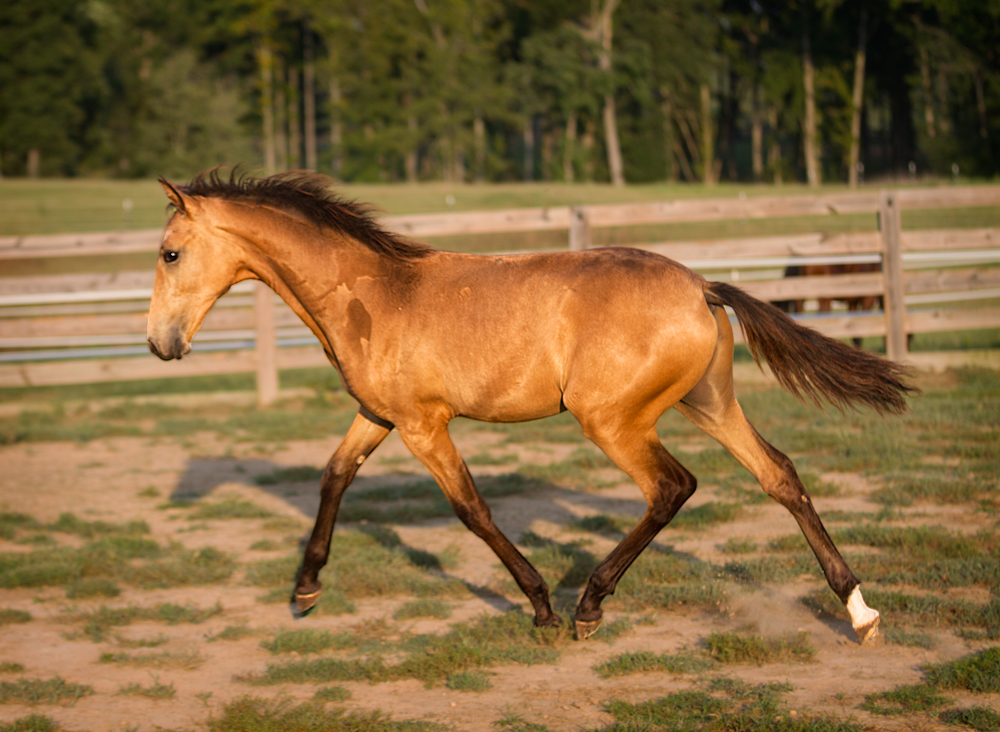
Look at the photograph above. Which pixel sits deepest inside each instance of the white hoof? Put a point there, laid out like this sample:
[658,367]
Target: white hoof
[864,619]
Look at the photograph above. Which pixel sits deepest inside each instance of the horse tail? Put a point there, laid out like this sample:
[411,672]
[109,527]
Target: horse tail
[810,364]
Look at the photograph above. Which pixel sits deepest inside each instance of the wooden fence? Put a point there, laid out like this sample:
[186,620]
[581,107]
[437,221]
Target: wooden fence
[64,329]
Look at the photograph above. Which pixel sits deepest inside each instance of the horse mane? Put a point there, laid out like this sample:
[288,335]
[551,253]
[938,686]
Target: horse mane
[309,195]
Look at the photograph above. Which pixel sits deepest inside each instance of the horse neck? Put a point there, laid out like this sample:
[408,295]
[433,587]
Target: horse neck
[302,263]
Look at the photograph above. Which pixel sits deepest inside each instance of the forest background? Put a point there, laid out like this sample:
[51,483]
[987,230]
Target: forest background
[503,90]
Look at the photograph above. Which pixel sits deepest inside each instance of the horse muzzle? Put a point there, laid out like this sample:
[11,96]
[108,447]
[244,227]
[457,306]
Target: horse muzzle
[174,348]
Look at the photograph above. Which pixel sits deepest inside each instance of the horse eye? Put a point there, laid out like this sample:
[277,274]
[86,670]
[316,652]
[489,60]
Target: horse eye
[170,256]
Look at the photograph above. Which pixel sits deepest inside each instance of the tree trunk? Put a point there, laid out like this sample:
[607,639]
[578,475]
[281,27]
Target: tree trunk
[34,163]
[569,149]
[294,123]
[756,135]
[280,122]
[857,100]
[925,78]
[605,28]
[774,151]
[309,97]
[529,149]
[588,151]
[669,138]
[336,130]
[981,106]
[548,153]
[809,122]
[479,135]
[265,60]
[411,154]
[707,137]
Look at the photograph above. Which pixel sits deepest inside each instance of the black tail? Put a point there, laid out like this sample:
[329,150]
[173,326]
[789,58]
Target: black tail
[810,364]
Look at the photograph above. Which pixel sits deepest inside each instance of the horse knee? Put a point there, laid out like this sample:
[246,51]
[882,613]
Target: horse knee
[785,487]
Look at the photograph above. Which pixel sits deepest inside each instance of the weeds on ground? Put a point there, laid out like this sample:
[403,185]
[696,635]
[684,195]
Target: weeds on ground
[332,694]
[183,660]
[229,508]
[32,723]
[488,641]
[38,691]
[9,667]
[96,624]
[757,649]
[308,640]
[156,690]
[426,607]
[637,662]
[253,714]
[10,616]
[979,718]
[469,681]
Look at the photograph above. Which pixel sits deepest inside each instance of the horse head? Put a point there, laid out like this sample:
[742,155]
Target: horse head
[197,264]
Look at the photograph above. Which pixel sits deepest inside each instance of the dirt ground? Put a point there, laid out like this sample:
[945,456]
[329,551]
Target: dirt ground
[110,480]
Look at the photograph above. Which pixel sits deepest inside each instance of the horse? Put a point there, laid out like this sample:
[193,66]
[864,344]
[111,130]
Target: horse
[616,336]
[825,304]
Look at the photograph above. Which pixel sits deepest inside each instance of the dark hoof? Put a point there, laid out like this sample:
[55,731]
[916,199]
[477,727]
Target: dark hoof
[303,603]
[586,628]
[553,622]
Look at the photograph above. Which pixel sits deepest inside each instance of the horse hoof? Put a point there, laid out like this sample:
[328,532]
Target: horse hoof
[303,603]
[869,635]
[586,628]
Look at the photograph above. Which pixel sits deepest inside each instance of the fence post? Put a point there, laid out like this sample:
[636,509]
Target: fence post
[892,276]
[579,229]
[266,345]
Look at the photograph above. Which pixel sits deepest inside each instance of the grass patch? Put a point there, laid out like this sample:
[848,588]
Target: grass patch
[230,508]
[570,564]
[38,691]
[486,642]
[254,714]
[156,690]
[9,616]
[661,579]
[182,660]
[469,681]
[32,723]
[981,719]
[757,649]
[576,471]
[71,524]
[637,662]
[721,704]
[705,515]
[88,587]
[294,474]
[232,633]
[307,640]
[904,700]
[425,607]
[332,694]
[11,523]
[735,545]
[98,623]
[979,673]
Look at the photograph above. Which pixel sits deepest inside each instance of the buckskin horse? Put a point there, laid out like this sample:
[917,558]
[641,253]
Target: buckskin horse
[616,336]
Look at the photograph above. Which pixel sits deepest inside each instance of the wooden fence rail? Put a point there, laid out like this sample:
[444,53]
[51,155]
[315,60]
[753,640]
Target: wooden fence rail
[60,329]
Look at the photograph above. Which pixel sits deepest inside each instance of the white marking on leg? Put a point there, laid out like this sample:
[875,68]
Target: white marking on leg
[864,619]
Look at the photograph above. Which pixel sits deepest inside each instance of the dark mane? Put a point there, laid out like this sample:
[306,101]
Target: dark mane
[309,195]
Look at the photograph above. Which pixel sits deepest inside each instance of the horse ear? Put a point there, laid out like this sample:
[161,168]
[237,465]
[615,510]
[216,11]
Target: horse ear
[175,196]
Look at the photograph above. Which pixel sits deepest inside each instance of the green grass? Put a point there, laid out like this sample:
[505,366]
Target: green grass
[736,545]
[979,718]
[254,714]
[904,700]
[332,694]
[10,616]
[469,681]
[705,515]
[181,660]
[483,643]
[42,691]
[295,474]
[97,624]
[564,565]
[979,673]
[89,587]
[156,690]
[229,508]
[726,647]
[9,667]
[307,640]
[32,723]
[426,607]
[232,633]
[720,704]
[635,662]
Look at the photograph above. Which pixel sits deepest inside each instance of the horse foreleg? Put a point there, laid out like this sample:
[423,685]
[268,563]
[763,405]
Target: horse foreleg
[361,439]
[433,447]
[777,476]
[666,484]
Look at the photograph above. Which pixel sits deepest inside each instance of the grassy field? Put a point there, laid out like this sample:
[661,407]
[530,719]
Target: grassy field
[151,548]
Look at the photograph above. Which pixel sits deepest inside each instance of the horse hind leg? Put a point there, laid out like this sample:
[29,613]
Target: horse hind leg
[725,421]
[666,485]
